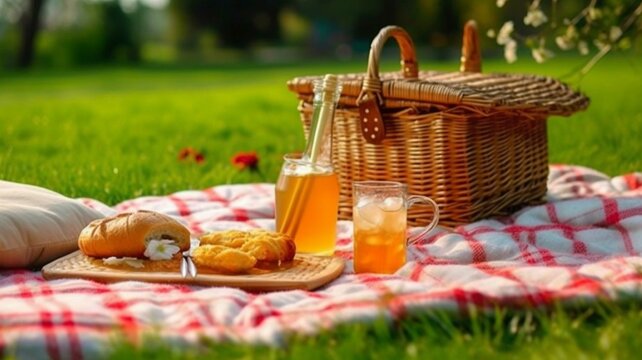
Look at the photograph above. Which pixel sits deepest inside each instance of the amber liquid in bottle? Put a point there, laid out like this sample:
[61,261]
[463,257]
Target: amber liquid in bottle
[307,191]
[316,229]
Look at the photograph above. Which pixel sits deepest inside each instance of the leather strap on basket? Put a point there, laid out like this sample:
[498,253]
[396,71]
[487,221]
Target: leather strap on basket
[370,98]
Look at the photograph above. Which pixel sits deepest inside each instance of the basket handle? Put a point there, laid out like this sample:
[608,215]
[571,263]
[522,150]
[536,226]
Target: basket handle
[369,100]
[470,51]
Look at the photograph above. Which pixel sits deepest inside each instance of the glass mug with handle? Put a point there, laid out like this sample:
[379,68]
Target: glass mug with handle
[379,217]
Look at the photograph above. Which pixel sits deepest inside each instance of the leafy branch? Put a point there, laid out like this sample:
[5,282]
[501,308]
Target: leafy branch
[605,26]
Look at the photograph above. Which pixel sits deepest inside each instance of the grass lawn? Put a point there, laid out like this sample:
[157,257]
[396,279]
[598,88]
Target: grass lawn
[115,133]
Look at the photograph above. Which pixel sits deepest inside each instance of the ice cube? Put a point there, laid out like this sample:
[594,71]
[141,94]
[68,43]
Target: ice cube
[366,200]
[392,203]
[368,214]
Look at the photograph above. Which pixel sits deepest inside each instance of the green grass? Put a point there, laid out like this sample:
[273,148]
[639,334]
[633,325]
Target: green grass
[601,331]
[114,133]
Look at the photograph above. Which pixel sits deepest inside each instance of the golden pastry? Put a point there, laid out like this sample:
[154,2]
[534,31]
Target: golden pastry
[264,245]
[228,238]
[223,258]
[269,246]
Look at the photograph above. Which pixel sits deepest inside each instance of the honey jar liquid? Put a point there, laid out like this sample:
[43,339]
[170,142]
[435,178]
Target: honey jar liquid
[306,209]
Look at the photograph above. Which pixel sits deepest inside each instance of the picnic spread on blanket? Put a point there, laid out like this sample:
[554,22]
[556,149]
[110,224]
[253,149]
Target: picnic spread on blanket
[583,244]
[418,191]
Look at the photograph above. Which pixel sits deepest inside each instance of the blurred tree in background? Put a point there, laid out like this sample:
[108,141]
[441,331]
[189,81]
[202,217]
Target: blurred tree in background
[235,24]
[63,33]
[73,33]
[29,24]
[26,15]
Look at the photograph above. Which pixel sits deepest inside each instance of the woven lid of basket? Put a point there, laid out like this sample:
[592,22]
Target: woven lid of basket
[469,88]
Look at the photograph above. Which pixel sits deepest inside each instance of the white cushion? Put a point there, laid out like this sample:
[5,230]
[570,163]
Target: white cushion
[38,225]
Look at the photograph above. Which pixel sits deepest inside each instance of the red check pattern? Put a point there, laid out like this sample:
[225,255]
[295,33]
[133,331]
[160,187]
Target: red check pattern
[584,243]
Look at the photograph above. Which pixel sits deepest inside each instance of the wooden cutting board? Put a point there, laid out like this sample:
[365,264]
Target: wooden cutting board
[305,272]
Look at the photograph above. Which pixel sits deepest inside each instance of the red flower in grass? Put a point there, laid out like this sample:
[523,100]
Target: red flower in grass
[185,153]
[199,158]
[246,160]
[188,153]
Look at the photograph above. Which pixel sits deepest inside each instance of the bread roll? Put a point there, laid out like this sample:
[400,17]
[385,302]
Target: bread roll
[127,234]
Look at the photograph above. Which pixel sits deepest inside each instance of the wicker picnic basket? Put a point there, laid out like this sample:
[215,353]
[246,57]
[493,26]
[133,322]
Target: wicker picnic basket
[475,143]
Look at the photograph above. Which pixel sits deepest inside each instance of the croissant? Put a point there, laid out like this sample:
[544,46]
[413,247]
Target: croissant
[262,244]
[223,258]
[269,246]
[127,234]
[229,238]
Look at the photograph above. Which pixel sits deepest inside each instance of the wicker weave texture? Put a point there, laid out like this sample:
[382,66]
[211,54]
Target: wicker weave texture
[472,167]
[475,143]
[485,93]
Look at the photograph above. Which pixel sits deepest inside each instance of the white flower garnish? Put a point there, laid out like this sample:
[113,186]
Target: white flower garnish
[161,249]
[131,261]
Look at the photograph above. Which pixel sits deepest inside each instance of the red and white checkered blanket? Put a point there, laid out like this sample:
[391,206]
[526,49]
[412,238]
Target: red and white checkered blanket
[583,244]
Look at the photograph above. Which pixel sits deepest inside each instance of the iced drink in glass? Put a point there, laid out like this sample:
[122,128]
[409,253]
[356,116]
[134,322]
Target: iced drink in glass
[379,217]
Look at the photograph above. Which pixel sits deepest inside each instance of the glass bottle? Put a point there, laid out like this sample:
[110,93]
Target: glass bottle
[307,191]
